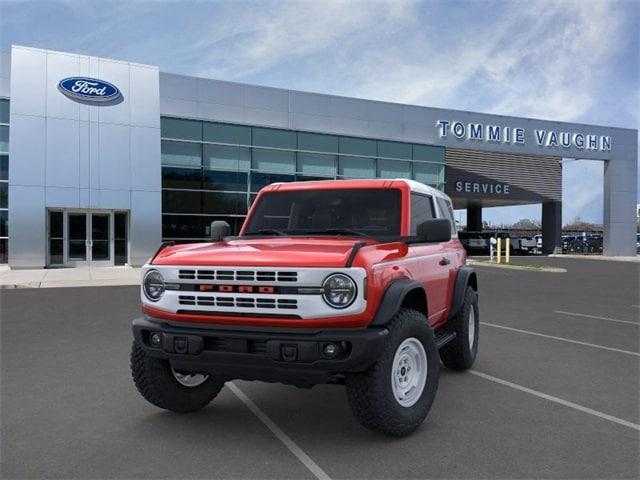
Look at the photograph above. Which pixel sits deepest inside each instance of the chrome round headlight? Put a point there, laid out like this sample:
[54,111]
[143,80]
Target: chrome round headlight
[153,285]
[339,290]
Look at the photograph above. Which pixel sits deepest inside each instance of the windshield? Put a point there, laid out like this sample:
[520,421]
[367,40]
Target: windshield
[360,212]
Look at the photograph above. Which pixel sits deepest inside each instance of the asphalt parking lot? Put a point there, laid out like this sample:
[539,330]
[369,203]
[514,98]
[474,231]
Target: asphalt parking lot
[554,394]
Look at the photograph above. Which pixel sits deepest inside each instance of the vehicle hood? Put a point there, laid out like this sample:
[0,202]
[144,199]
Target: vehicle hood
[275,252]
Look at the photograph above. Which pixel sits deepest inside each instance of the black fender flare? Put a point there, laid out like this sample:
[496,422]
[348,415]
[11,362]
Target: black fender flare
[466,276]
[392,299]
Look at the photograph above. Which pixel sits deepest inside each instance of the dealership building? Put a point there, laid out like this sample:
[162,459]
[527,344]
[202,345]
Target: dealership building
[101,160]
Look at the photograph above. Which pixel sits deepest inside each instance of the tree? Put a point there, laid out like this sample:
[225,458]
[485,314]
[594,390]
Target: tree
[579,225]
[526,224]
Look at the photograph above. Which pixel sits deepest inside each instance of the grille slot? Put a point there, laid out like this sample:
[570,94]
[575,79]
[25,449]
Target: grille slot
[266,276]
[206,275]
[187,300]
[187,274]
[287,303]
[256,347]
[207,301]
[225,275]
[225,302]
[287,276]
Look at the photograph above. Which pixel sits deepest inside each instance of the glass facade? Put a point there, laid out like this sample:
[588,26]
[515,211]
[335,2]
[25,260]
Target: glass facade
[4,180]
[212,171]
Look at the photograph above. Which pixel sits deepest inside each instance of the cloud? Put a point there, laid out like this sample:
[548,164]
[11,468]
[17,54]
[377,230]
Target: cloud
[570,60]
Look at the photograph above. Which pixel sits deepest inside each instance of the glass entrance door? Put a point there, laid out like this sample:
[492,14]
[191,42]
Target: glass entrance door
[77,240]
[100,241]
[87,238]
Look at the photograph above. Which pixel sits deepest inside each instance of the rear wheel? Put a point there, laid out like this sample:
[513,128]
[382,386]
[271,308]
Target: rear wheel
[395,395]
[460,353]
[170,389]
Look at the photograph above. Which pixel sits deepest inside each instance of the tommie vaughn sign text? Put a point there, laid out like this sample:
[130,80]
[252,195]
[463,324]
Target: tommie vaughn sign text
[479,132]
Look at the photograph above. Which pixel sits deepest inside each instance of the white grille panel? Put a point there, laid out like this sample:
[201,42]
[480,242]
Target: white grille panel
[289,303]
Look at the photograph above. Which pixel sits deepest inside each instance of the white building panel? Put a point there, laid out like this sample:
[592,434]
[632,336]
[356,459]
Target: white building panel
[63,153]
[115,156]
[28,81]
[59,66]
[116,73]
[144,98]
[62,197]
[145,155]
[27,142]
[222,93]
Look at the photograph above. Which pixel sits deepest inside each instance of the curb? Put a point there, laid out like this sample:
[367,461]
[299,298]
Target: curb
[517,267]
[69,284]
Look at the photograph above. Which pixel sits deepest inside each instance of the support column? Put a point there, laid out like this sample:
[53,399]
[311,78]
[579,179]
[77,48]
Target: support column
[474,218]
[551,227]
[620,198]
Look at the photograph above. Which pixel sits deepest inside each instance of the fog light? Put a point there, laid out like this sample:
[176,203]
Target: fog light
[330,350]
[155,339]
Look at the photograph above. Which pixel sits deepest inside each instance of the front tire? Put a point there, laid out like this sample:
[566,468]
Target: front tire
[166,388]
[395,395]
[460,353]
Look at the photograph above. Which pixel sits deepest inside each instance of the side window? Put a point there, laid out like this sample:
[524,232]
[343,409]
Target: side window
[447,212]
[421,210]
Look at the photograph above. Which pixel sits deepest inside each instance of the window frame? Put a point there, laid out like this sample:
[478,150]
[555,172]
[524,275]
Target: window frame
[429,198]
[448,213]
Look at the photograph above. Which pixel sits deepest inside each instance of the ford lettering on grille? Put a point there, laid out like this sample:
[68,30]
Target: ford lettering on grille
[236,288]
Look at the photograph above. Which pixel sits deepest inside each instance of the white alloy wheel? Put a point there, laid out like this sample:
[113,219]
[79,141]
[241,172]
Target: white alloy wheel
[409,372]
[472,327]
[189,379]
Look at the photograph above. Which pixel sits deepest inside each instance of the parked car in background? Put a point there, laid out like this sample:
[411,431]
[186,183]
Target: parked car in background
[528,245]
[538,248]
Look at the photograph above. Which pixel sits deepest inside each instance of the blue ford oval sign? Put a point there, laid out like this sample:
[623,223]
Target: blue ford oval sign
[89,89]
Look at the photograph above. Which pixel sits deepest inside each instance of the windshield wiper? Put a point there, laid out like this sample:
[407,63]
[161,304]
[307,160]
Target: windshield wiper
[338,231]
[268,231]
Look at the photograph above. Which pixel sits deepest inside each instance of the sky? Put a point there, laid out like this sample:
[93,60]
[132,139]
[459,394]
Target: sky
[558,60]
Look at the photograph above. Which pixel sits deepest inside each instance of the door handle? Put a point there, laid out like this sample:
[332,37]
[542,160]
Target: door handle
[444,261]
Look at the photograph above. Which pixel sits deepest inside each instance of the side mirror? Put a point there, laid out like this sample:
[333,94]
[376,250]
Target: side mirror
[219,230]
[435,230]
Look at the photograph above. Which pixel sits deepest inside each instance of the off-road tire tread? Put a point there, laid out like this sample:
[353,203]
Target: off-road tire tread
[368,391]
[155,382]
[454,355]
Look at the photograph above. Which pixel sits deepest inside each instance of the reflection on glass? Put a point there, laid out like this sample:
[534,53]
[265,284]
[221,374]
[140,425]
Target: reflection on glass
[55,252]
[77,236]
[175,177]
[4,195]
[120,238]
[4,257]
[4,167]
[100,237]
[4,229]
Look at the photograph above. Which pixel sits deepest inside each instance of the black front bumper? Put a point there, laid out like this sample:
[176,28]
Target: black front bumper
[275,355]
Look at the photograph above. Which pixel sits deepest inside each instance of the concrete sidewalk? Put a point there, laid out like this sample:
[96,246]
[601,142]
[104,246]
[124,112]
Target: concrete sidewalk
[69,277]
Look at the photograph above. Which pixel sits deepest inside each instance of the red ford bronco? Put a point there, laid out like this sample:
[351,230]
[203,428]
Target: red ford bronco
[361,283]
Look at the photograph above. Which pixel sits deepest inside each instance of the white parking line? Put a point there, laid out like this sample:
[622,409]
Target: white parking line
[608,319]
[602,347]
[560,401]
[280,435]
